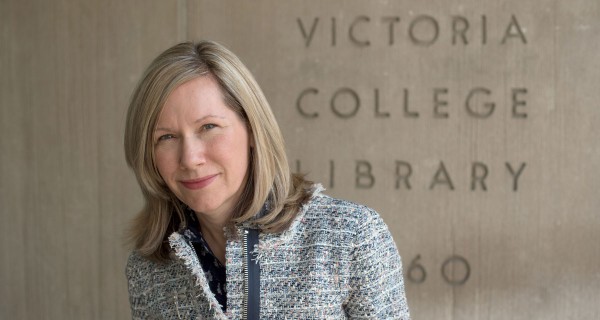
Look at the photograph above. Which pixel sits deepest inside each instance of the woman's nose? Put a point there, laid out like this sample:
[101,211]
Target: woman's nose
[192,153]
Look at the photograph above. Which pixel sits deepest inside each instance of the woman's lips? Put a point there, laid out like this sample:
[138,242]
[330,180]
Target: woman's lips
[199,183]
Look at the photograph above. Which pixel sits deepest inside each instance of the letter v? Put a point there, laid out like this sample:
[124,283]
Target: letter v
[308,38]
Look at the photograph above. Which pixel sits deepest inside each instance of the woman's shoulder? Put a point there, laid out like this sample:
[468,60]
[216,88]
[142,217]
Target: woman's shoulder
[139,266]
[138,272]
[137,260]
[322,208]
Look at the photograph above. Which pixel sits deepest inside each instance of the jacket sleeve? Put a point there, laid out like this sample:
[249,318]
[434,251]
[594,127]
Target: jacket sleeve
[377,285]
[135,282]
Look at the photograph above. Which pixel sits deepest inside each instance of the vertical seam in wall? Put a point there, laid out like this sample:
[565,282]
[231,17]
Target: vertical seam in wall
[182,20]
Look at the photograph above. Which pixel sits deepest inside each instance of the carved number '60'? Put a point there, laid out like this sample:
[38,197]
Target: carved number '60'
[417,274]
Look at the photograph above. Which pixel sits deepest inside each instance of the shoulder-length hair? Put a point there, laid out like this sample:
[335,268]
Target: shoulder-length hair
[269,176]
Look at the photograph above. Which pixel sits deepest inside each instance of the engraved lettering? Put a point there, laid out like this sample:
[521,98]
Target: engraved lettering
[351,112]
[514,31]
[333,31]
[416,267]
[392,21]
[488,107]
[379,114]
[408,113]
[479,171]
[308,37]
[360,43]
[441,177]
[364,175]
[460,25]
[437,103]
[301,110]
[424,21]
[483,29]
[331,173]
[518,103]
[422,30]
[403,173]
[346,102]
[515,175]
[454,263]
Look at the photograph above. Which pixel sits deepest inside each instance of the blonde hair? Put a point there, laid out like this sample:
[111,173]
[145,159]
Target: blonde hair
[269,176]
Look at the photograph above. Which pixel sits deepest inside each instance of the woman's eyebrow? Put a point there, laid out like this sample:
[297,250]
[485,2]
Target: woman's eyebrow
[209,116]
[198,120]
[161,129]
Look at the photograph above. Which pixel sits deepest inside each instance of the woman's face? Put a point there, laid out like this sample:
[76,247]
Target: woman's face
[201,148]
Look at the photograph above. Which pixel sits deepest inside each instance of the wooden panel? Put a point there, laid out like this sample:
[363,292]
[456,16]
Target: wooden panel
[68,69]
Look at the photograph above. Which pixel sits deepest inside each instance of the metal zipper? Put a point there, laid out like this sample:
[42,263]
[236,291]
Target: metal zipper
[251,276]
[246,275]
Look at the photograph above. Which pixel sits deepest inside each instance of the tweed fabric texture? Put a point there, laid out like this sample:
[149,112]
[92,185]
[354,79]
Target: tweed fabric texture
[336,261]
[214,271]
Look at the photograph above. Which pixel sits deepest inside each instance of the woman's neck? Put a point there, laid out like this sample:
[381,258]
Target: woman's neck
[213,232]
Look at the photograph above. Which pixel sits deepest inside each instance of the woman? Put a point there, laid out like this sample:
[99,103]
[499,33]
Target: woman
[227,231]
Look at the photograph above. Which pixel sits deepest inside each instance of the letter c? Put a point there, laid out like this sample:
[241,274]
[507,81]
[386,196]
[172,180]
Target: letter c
[305,114]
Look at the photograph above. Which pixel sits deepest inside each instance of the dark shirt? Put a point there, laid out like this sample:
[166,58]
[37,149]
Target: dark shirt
[214,271]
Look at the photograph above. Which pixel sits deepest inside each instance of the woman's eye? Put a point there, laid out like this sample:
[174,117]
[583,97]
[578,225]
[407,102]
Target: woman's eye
[209,126]
[165,137]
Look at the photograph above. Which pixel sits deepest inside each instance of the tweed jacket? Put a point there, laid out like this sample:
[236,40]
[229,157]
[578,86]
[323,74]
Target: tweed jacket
[336,261]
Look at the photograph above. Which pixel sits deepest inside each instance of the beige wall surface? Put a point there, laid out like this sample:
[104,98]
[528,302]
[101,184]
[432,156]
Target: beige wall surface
[471,126]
